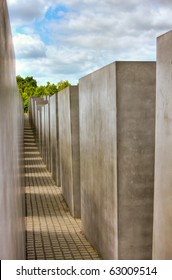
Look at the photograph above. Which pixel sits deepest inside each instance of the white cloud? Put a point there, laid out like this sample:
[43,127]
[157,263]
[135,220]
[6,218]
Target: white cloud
[28,47]
[88,35]
[22,11]
[59,63]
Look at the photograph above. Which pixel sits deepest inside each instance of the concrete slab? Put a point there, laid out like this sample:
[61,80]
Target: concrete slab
[32,110]
[47,136]
[68,110]
[12,210]
[162,246]
[43,133]
[54,132]
[117,127]
[38,136]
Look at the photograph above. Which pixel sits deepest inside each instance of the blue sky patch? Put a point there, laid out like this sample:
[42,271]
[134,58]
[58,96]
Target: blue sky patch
[56,13]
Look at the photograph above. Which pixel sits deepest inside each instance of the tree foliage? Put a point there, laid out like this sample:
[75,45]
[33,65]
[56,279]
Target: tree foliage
[62,84]
[28,87]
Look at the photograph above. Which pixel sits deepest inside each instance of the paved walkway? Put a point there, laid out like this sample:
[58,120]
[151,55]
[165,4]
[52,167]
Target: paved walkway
[51,232]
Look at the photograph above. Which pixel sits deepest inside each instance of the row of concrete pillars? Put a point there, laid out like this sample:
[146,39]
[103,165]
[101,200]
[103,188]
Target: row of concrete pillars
[100,142]
[108,144]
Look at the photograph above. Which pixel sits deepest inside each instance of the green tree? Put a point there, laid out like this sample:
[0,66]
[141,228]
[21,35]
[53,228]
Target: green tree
[30,81]
[50,89]
[28,87]
[40,91]
[62,84]
[25,101]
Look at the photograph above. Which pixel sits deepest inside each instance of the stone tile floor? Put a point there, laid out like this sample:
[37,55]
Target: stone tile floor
[51,232]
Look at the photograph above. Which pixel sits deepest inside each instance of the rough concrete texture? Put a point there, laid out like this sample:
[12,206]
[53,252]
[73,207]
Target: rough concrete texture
[68,110]
[32,111]
[47,137]
[39,105]
[36,123]
[117,158]
[12,240]
[54,132]
[39,140]
[162,245]
[43,132]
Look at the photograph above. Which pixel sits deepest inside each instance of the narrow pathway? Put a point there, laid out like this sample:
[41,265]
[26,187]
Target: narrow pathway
[51,232]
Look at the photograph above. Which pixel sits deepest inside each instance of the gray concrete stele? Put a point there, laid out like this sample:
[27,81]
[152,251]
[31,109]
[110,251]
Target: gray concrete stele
[117,134]
[162,245]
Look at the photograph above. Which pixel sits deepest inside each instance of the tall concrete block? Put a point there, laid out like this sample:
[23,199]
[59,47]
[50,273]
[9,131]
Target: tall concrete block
[47,136]
[54,132]
[12,210]
[39,105]
[162,246]
[117,131]
[68,110]
[42,115]
[32,110]
[36,123]
[39,140]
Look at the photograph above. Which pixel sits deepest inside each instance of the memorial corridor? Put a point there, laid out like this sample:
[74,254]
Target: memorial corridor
[51,232]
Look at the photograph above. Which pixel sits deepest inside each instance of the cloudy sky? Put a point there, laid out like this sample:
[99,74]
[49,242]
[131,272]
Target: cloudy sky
[66,39]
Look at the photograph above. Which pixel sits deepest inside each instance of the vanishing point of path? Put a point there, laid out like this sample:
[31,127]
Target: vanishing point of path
[51,232]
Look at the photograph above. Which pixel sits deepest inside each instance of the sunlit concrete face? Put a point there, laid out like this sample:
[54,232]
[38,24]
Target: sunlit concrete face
[162,245]
[47,136]
[32,110]
[117,124]
[12,244]
[54,132]
[68,111]
[36,102]
[38,124]
[42,115]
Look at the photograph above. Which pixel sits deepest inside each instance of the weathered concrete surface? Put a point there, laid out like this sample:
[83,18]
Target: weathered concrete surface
[47,136]
[117,108]
[162,245]
[36,103]
[68,110]
[12,239]
[39,104]
[43,132]
[54,132]
[39,139]
[32,111]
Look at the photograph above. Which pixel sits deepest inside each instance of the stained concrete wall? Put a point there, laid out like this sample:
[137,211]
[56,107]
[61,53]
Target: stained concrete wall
[39,116]
[39,105]
[68,110]
[36,103]
[32,111]
[47,136]
[39,139]
[117,124]
[12,244]
[54,132]
[43,132]
[162,245]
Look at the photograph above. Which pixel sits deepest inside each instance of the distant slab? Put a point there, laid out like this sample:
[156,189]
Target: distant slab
[39,105]
[68,110]
[117,132]
[42,115]
[54,132]
[32,109]
[47,136]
